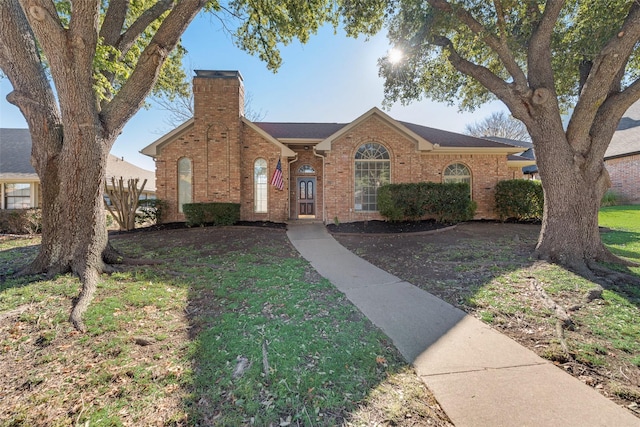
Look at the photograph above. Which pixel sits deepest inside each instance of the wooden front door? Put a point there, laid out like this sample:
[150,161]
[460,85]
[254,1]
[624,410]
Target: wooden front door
[306,196]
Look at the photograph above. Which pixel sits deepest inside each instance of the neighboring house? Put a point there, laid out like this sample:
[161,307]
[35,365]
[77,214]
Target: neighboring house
[525,157]
[622,158]
[20,185]
[330,171]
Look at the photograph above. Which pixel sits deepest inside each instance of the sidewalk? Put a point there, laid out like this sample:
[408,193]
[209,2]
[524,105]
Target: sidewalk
[479,376]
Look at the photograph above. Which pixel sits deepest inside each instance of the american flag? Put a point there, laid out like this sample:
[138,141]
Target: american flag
[276,180]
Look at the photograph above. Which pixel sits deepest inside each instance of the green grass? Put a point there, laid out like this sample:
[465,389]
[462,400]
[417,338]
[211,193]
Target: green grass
[311,357]
[624,237]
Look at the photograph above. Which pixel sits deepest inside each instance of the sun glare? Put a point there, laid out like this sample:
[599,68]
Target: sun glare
[394,55]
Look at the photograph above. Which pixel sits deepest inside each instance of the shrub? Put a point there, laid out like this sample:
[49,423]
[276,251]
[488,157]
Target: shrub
[447,202]
[519,199]
[610,198]
[211,213]
[21,221]
[150,211]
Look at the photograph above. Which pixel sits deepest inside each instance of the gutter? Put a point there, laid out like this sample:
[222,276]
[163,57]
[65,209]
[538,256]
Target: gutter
[324,208]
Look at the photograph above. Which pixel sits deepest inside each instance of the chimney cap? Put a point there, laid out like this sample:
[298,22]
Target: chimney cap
[219,74]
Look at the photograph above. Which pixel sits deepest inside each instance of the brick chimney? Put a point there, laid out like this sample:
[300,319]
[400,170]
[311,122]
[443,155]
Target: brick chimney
[218,98]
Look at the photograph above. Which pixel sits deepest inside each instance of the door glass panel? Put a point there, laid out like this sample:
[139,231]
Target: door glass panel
[303,193]
[310,190]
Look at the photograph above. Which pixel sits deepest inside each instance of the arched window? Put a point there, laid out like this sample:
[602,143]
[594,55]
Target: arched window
[306,169]
[372,169]
[260,185]
[457,172]
[185,181]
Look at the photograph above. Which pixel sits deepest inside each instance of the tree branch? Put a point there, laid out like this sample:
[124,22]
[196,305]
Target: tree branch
[32,93]
[128,38]
[498,45]
[609,114]
[486,78]
[134,91]
[83,37]
[114,21]
[540,72]
[606,68]
[47,27]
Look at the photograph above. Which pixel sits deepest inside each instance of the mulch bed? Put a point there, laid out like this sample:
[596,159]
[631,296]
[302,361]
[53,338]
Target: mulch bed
[386,227]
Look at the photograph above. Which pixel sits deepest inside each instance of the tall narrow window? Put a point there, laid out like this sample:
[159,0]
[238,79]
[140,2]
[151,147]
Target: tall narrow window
[457,172]
[260,185]
[372,170]
[185,182]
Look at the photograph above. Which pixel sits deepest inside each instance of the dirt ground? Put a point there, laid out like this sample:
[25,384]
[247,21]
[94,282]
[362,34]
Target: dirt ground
[454,263]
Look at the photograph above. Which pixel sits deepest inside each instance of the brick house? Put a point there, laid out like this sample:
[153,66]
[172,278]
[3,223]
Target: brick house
[622,158]
[330,171]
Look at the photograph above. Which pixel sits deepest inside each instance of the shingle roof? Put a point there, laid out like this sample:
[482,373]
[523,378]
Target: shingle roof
[514,142]
[626,140]
[452,139]
[324,130]
[300,130]
[15,152]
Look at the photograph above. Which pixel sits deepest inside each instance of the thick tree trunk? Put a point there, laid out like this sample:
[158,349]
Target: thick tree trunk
[74,235]
[573,188]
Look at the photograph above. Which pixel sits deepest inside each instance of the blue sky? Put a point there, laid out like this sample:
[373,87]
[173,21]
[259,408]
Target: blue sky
[332,78]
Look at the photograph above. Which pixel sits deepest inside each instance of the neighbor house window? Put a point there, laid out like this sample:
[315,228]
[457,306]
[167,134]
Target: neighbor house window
[17,196]
[260,185]
[372,170]
[457,172]
[185,182]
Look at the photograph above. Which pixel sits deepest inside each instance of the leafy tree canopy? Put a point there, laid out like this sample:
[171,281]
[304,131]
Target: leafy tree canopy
[495,35]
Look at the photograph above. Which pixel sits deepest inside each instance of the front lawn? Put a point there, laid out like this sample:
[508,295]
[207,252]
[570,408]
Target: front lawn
[232,328]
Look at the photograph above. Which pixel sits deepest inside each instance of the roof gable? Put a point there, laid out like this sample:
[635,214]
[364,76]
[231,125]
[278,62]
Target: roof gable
[153,149]
[284,150]
[325,145]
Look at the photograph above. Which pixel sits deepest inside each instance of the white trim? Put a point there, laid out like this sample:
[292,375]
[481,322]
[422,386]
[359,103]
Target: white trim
[153,149]
[423,144]
[284,150]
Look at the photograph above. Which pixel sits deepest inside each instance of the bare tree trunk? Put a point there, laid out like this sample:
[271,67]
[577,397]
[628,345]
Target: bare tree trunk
[74,237]
[573,188]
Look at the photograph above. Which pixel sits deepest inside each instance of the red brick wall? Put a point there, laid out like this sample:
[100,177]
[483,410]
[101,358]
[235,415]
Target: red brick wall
[213,144]
[223,151]
[625,177]
[253,148]
[407,165]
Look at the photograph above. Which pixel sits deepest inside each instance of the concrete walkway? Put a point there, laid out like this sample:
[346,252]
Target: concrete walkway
[479,376]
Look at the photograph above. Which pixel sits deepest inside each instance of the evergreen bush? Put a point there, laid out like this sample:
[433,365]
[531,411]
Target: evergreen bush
[446,202]
[211,213]
[519,199]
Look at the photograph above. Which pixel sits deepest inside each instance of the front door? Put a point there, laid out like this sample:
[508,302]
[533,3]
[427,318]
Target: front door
[306,196]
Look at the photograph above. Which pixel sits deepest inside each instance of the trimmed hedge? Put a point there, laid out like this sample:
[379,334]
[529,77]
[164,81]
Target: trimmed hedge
[21,221]
[446,202]
[519,199]
[211,213]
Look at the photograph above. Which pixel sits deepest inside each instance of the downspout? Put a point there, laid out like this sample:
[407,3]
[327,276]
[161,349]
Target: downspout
[295,159]
[324,209]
